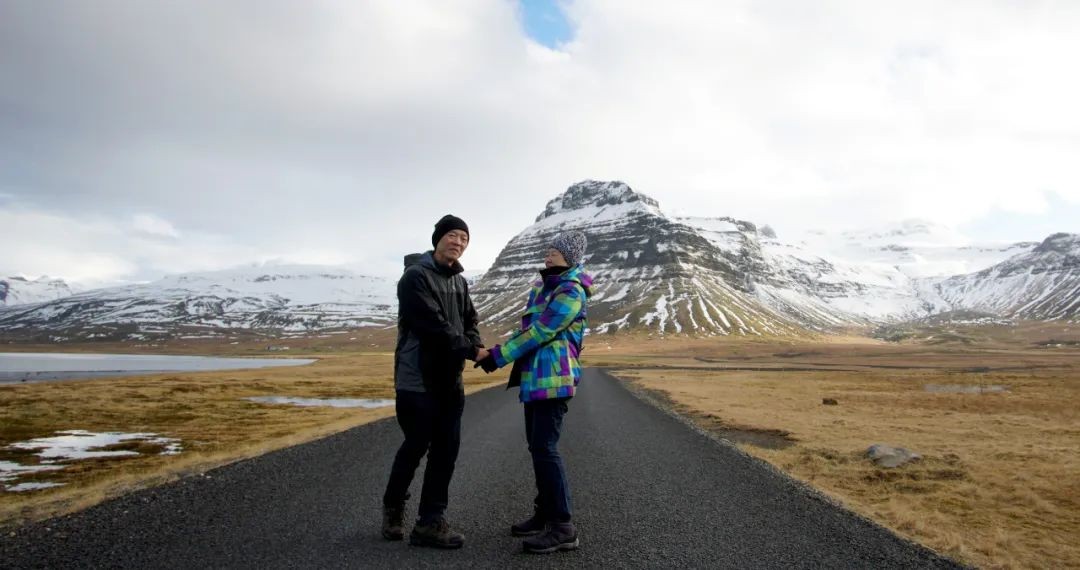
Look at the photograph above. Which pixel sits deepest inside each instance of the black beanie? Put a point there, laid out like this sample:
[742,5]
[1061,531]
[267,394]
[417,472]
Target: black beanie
[447,223]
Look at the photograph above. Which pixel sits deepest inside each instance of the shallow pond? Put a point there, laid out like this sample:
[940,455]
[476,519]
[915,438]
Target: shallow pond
[37,367]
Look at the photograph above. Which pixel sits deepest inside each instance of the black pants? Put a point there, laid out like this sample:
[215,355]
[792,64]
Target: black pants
[432,425]
[543,424]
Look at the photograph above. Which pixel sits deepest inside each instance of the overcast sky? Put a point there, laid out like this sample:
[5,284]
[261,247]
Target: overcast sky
[141,138]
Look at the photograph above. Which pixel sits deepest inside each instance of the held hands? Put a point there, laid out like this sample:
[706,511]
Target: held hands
[487,363]
[481,353]
[485,360]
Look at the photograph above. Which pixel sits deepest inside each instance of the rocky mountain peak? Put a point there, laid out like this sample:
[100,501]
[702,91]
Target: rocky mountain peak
[1063,243]
[593,194]
[656,272]
[18,290]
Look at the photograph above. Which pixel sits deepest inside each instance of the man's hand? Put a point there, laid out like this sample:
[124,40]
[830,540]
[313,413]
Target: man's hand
[481,353]
[487,363]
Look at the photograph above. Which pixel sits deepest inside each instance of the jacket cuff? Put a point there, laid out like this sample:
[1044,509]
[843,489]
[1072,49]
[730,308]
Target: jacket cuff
[497,355]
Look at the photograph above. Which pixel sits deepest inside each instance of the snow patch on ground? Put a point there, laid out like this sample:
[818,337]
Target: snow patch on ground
[80,444]
[73,445]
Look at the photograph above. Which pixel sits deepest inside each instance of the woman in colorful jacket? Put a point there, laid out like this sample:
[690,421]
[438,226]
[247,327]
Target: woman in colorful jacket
[545,356]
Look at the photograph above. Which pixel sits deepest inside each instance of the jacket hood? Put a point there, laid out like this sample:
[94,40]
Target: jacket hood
[576,274]
[413,259]
[428,259]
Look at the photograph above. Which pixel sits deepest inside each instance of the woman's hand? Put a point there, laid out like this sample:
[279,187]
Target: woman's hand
[488,364]
[486,361]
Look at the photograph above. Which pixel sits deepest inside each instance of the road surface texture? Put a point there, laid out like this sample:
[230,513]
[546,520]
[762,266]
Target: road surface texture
[648,492]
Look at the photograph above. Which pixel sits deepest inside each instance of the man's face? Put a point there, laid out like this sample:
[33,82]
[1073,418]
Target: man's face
[451,245]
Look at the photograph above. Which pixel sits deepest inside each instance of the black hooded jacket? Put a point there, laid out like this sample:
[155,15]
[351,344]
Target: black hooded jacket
[436,326]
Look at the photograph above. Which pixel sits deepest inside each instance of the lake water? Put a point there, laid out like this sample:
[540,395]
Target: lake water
[37,367]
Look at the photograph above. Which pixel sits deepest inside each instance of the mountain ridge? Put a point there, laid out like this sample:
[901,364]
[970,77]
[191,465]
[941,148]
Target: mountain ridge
[711,276]
[283,299]
[19,290]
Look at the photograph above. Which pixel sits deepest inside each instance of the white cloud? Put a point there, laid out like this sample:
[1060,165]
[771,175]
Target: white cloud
[342,132]
[153,225]
[60,247]
[99,250]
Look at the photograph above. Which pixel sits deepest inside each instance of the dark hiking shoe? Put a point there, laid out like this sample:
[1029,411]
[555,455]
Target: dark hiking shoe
[559,536]
[533,526]
[393,522]
[437,534]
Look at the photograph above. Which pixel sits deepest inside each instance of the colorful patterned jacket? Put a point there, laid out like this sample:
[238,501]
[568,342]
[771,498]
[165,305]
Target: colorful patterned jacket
[549,342]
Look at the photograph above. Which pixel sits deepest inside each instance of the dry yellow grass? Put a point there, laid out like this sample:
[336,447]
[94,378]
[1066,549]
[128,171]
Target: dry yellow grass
[999,482]
[206,411]
[998,486]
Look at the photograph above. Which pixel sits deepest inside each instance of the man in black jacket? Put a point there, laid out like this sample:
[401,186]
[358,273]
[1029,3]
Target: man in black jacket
[436,334]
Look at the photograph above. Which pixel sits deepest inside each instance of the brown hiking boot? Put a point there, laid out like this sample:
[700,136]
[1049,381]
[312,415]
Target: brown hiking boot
[533,526]
[393,522]
[559,536]
[437,534]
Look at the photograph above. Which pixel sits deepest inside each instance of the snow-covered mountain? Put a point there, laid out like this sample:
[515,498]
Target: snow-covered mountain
[1043,284]
[652,271]
[20,290]
[727,276]
[277,299]
[917,248]
[710,276]
[861,277]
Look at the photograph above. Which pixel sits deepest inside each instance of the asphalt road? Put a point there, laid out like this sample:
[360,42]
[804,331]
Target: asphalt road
[648,492]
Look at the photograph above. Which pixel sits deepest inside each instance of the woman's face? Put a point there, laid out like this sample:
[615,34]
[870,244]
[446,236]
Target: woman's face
[554,258]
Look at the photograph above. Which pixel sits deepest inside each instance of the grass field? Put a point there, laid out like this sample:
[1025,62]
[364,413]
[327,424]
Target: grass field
[206,411]
[998,485]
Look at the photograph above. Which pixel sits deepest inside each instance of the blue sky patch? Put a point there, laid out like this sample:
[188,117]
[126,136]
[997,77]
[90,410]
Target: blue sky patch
[545,22]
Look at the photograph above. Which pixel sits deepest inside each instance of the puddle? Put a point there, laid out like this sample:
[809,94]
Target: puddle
[757,437]
[323,402]
[74,445]
[793,354]
[24,487]
[1054,343]
[965,389]
[765,439]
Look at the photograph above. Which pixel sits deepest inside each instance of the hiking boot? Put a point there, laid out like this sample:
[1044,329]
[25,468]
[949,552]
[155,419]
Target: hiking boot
[533,526]
[437,534]
[393,522]
[559,536]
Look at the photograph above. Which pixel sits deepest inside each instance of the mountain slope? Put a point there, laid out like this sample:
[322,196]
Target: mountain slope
[655,272]
[276,299]
[697,275]
[20,291]
[725,276]
[869,276]
[1043,284]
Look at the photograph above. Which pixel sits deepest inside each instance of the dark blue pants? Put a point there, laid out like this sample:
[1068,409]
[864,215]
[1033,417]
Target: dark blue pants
[432,425]
[543,423]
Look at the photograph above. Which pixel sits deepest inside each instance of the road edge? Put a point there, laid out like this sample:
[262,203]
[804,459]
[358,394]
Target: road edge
[797,485]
